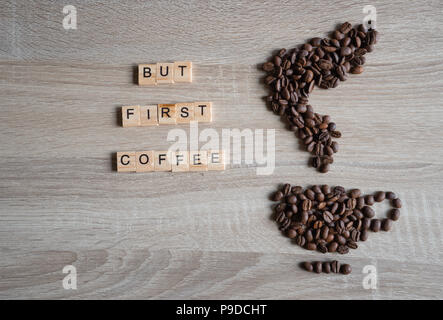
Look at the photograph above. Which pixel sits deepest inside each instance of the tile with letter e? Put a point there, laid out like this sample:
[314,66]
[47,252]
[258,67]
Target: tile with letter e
[184,112]
[126,161]
[165,72]
[216,160]
[180,161]
[148,115]
[167,114]
[144,161]
[131,116]
[162,161]
[147,74]
[203,111]
[183,71]
[198,160]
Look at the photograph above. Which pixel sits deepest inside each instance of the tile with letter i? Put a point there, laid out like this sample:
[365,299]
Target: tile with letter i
[148,115]
[131,116]
[126,161]
[147,74]
[165,72]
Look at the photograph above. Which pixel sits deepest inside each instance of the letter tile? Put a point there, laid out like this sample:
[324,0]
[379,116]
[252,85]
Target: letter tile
[131,116]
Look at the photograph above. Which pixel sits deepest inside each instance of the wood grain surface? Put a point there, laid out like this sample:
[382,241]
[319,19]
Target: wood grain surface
[207,235]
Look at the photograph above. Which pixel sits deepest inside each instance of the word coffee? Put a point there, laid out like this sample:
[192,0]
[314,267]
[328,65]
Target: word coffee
[153,115]
[175,161]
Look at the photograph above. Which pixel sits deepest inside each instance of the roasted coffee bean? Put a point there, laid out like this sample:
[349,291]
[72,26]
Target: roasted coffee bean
[386,224]
[379,196]
[375,225]
[286,189]
[291,233]
[322,248]
[335,266]
[278,196]
[311,246]
[345,269]
[308,266]
[390,195]
[351,244]
[332,247]
[396,203]
[326,267]
[368,212]
[394,214]
[355,193]
[342,249]
[318,267]
[366,223]
[364,235]
[369,200]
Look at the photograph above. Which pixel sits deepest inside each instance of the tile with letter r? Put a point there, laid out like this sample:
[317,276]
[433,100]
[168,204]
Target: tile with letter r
[167,114]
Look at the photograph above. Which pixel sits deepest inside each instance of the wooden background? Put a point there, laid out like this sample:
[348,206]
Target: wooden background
[207,235]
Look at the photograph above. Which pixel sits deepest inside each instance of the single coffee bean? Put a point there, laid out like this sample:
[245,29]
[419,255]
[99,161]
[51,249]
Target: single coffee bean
[375,225]
[379,196]
[386,224]
[345,269]
[394,214]
[396,203]
[291,233]
[390,195]
[308,266]
[278,196]
[318,267]
[364,235]
[355,193]
[311,246]
[335,266]
[368,212]
[369,200]
[332,247]
[326,267]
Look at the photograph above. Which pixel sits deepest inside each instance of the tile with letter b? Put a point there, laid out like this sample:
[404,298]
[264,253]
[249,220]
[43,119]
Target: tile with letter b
[167,114]
[184,112]
[148,115]
[144,161]
[198,160]
[147,74]
[183,71]
[165,72]
[216,160]
[203,111]
[162,161]
[131,116]
[126,161]
[180,161]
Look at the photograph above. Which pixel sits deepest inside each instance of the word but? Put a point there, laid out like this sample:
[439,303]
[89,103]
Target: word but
[153,115]
[163,72]
[175,161]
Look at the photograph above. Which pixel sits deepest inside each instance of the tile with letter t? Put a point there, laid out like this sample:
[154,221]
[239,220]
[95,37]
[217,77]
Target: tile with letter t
[144,161]
[147,74]
[216,160]
[167,114]
[183,71]
[162,161]
[148,115]
[126,161]
[131,116]
[185,112]
[165,72]
[203,111]
[180,161]
[198,160]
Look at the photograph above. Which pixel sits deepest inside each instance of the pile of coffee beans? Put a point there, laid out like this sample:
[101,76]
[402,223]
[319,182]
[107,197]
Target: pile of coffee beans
[327,267]
[324,62]
[331,219]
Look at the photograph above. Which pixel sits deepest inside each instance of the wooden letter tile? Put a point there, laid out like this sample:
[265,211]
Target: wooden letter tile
[148,115]
[180,161]
[185,112]
[165,72]
[203,111]
[183,71]
[162,161]
[126,161]
[216,160]
[131,116]
[198,160]
[147,74]
[144,161]
[167,114]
